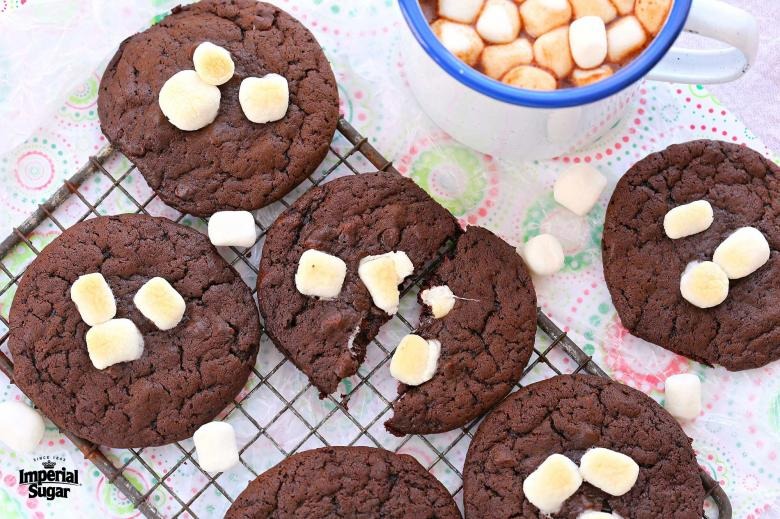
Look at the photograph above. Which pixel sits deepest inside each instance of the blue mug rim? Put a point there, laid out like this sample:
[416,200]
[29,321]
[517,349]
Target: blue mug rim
[626,76]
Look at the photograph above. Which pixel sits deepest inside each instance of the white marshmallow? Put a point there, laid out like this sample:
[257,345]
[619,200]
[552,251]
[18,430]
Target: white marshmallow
[382,274]
[159,302]
[21,426]
[188,102]
[264,99]
[552,483]
[611,471]
[463,11]
[624,7]
[625,37]
[579,187]
[496,60]
[213,63]
[531,78]
[93,298]
[215,447]
[683,396]
[440,299]
[587,77]
[592,514]
[588,41]
[652,14]
[461,40]
[551,51]
[499,21]
[601,8]
[414,360]
[540,16]
[543,254]
[688,219]
[114,341]
[704,284]
[232,228]
[742,253]
[320,274]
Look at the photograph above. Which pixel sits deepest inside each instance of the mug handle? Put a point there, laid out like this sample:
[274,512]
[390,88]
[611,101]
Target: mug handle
[720,21]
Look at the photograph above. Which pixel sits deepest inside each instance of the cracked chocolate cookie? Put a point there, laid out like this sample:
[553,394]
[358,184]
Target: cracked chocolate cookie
[350,217]
[486,339]
[642,266]
[345,482]
[568,415]
[185,376]
[232,163]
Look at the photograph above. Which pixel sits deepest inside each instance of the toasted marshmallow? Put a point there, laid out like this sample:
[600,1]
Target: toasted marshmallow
[579,187]
[689,219]
[601,8]
[159,302]
[188,102]
[440,299]
[652,14]
[232,228]
[611,471]
[213,63]
[588,41]
[93,298]
[462,40]
[742,253]
[625,37]
[463,11]
[499,21]
[21,426]
[532,78]
[623,7]
[587,77]
[414,360]
[114,341]
[552,483]
[497,60]
[382,274]
[540,16]
[215,447]
[551,51]
[704,284]
[683,396]
[320,274]
[543,254]
[264,99]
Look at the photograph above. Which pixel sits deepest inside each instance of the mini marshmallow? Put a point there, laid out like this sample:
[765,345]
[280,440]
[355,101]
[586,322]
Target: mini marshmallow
[742,253]
[320,274]
[21,426]
[213,63]
[93,298]
[531,78]
[593,514]
[623,7]
[382,274]
[611,471]
[114,341]
[704,284]
[601,8]
[159,302]
[461,40]
[588,41]
[264,99]
[688,219]
[414,360]
[496,60]
[463,11]
[543,254]
[624,38]
[499,21]
[188,102]
[587,77]
[683,396]
[579,187]
[551,51]
[440,299]
[232,228]
[652,14]
[215,447]
[552,483]
[540,16]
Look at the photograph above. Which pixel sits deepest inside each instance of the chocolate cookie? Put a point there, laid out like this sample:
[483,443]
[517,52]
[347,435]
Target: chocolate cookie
[486,339]
[642,266]
[345,482]
[350,217]
[232,163]
[186,375]
[568,415]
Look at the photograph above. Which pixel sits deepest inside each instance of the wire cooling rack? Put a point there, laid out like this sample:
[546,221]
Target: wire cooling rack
[278,412]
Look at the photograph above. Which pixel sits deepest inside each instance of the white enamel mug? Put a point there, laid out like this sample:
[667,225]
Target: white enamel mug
[518,124]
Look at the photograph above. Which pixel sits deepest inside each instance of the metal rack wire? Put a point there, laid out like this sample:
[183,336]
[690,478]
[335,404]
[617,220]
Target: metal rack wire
[349,153]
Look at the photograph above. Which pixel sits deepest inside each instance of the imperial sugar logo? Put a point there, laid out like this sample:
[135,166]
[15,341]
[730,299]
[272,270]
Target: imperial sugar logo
[50,482]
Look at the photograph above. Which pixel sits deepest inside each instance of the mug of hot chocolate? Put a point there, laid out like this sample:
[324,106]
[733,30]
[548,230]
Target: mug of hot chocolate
[532,79]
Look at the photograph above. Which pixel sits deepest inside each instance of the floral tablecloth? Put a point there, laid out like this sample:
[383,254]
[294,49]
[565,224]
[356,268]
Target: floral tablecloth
[738,437]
